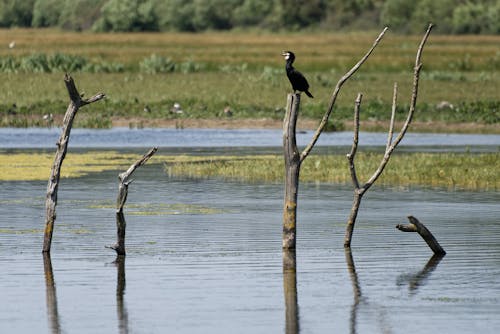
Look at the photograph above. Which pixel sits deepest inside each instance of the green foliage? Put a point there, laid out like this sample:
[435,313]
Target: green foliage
[57,62]
[14,13]
[46,13]
[157,64]
[127,15]
[450,16]
[80,14]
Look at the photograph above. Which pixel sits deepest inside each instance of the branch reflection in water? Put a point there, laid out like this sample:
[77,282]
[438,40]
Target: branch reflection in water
[359,300]
[418,279]
[51,296]
[356,289]
[290,292]
[120,291]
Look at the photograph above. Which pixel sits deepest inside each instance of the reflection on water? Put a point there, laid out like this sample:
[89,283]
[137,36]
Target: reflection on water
[290,291]
[223,270]
[418,279]
[51,296]
[356,289]
[120,292]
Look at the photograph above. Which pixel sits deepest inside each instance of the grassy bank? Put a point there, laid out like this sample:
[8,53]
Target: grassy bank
[453,171]
[445,170]
[207,72]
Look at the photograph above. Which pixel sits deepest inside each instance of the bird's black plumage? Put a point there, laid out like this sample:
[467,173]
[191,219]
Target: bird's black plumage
[298,81]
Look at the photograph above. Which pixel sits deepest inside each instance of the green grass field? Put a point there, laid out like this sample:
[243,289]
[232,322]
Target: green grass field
[245,71]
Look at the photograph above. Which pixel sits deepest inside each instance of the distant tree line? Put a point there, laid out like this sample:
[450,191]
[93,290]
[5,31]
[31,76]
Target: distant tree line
[450,16]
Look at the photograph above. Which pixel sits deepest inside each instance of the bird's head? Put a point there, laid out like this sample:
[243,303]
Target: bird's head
[289,55]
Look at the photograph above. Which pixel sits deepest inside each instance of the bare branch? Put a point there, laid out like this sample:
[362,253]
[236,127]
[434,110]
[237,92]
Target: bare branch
[124,178]
[351,155]
[335,93]
[393,116]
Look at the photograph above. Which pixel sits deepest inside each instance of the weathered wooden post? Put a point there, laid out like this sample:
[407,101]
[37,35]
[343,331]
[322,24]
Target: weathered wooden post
[416,226]
[360,190]
[294,159]
[290,291]
[76,102]
[292,171]
[121,224]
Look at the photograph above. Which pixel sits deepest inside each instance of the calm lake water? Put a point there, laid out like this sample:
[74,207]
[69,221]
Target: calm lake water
[204,256]
[206,138]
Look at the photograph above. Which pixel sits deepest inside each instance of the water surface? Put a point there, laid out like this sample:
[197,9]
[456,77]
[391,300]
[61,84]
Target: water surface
[204,256]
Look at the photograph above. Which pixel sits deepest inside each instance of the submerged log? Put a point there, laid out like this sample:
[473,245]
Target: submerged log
[76,102]
[416,226]
[121,224]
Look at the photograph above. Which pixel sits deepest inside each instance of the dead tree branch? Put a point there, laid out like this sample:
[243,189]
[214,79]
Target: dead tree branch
[360,190]
[336,92]
[293,158]
[416,226]
[76,102]
[121,224]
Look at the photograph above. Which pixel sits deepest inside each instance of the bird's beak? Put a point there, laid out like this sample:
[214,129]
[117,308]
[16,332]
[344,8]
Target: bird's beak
[283,53]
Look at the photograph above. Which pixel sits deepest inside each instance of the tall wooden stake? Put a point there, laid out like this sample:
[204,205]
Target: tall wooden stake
[76,102]
[292,171]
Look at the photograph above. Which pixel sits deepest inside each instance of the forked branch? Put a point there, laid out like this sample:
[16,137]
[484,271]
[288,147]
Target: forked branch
[391,144]
[336,92]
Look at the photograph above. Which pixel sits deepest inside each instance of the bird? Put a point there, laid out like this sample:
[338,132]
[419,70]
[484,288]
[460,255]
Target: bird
[298,81]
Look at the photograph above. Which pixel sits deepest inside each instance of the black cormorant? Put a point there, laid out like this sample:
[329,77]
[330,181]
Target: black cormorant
[296,78]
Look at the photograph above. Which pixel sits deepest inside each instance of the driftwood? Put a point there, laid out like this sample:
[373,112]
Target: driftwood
[76,102]
[121,224]
[360,190]
[51,296]
[416,226]
[290,292]
[293,158]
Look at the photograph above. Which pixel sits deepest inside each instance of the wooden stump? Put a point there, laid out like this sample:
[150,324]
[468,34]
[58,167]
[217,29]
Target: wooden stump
[416,226]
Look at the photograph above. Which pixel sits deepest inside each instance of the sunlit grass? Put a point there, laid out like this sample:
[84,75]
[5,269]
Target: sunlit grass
[447,170]
[244,70]
[468,171]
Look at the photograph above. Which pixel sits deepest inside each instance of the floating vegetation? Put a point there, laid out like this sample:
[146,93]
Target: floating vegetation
[163,209]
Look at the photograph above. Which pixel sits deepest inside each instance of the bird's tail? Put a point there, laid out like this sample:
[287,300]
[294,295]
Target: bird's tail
[309,94]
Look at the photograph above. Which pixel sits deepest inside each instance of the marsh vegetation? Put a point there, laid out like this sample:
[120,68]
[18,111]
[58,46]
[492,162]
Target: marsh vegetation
[243,70]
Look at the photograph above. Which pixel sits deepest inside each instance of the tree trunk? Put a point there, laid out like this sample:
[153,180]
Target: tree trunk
[290,291]
[352,218]
[62,146]
[292,171]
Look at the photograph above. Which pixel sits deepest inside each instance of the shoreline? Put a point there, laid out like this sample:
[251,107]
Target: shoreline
[302,124]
